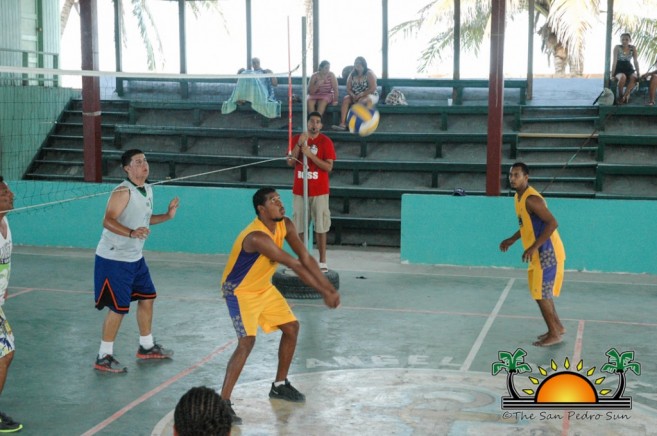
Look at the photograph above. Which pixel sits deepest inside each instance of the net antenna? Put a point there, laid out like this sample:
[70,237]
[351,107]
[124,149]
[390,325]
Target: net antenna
[304,90]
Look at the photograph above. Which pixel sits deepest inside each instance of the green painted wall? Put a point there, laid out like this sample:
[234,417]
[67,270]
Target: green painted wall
[599,235]
[27,113]
[207,222]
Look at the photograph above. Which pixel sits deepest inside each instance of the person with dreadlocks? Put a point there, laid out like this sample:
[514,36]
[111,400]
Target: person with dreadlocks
[543,251]
[200,412]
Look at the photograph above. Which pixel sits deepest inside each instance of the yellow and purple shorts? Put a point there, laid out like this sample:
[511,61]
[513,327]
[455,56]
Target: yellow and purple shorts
[267,309]
[545,283]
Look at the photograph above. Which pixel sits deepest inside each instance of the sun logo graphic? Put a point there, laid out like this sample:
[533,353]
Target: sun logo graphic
[566,388]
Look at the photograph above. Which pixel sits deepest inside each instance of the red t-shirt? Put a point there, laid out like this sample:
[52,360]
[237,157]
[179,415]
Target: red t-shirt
[318,180]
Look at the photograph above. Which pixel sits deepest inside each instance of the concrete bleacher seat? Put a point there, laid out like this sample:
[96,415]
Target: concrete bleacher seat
[429,148]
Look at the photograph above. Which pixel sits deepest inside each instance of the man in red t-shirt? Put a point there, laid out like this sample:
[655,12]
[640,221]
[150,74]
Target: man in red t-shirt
[320,152]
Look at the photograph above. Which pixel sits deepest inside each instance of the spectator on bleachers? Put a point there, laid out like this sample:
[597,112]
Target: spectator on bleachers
[622,70]
[323,89]
[258,92]
[651,76]
[269,82]
[361,88]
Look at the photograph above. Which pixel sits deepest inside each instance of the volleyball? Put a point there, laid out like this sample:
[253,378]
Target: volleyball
[362,120]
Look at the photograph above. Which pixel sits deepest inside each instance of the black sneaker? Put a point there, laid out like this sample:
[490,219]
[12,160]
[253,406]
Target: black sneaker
[109,364]
[155,352]
[229,407]
[286,392]
[8,425]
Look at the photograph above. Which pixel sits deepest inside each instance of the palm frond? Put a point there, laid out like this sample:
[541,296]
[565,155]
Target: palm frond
[497,367]
[211,6]
[570,20]
[140,13]
[643,37]
[407,28]
[434,49]
[635,368]
[65,13]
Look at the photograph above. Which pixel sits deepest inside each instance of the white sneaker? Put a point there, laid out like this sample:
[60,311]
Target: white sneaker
[323,267]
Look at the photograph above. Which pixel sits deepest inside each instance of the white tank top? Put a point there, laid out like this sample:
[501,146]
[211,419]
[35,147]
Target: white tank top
[136,214]
[5,261]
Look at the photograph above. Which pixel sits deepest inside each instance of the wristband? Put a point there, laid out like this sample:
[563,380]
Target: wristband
[130,234]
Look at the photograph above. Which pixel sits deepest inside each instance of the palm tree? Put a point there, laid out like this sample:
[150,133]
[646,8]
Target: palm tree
[148,29]
[513,364]
[565,23]
[619,363]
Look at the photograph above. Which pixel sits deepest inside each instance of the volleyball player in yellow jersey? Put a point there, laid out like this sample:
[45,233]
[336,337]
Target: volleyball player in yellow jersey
[543,250]
[253,300]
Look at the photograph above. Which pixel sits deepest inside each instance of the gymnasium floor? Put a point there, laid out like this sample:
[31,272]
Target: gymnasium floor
[409,352]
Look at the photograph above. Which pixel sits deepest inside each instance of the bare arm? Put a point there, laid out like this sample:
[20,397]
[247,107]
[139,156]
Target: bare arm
[171,213]
[305,266]
[324,165]
[504,245]
[636,61]
[350,91]
[537,206]
[274,80]
[371,83]
[336,90]
[314,84]
[296,149]
[301,146]
[115,207]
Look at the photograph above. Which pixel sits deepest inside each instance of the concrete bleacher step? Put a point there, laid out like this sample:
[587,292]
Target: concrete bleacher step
[370,175]
[573,119]
[558,115]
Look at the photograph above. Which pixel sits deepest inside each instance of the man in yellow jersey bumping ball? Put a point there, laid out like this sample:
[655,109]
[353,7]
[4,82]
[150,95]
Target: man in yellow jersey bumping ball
[254,301]
[544,250]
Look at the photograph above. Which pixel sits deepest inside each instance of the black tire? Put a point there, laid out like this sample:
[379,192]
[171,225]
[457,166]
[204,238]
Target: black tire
[291,285]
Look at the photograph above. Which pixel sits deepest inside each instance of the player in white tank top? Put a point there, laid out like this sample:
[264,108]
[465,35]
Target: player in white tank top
[6,335]
[120,273]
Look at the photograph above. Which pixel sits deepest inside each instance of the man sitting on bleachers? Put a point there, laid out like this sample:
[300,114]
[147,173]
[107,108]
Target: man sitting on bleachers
[259,92]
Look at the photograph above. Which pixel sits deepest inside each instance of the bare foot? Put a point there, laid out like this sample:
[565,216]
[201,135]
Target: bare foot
[547,341]
[546,334]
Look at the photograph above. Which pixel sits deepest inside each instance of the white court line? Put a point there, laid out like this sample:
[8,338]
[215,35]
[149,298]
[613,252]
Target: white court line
[152,258]
[484,331]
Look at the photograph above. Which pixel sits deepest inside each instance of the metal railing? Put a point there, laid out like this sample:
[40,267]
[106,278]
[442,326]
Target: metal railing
[41,56]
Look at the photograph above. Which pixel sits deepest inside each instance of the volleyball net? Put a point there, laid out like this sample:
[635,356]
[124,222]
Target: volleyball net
[180,121]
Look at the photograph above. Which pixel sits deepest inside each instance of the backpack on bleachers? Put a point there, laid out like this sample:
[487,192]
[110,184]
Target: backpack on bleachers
[396,97]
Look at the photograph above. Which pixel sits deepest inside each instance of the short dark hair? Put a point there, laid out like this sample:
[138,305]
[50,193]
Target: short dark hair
[126,157]
[260,197]
[628,35]
[201,411]
[324,63]
[2,179]
[523,167]
[314,114]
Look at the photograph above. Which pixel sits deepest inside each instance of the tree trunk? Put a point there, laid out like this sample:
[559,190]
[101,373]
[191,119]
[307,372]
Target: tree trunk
[510,386]
[621,385]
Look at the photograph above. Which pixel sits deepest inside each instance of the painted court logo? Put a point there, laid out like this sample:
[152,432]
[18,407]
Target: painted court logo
[568,388]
